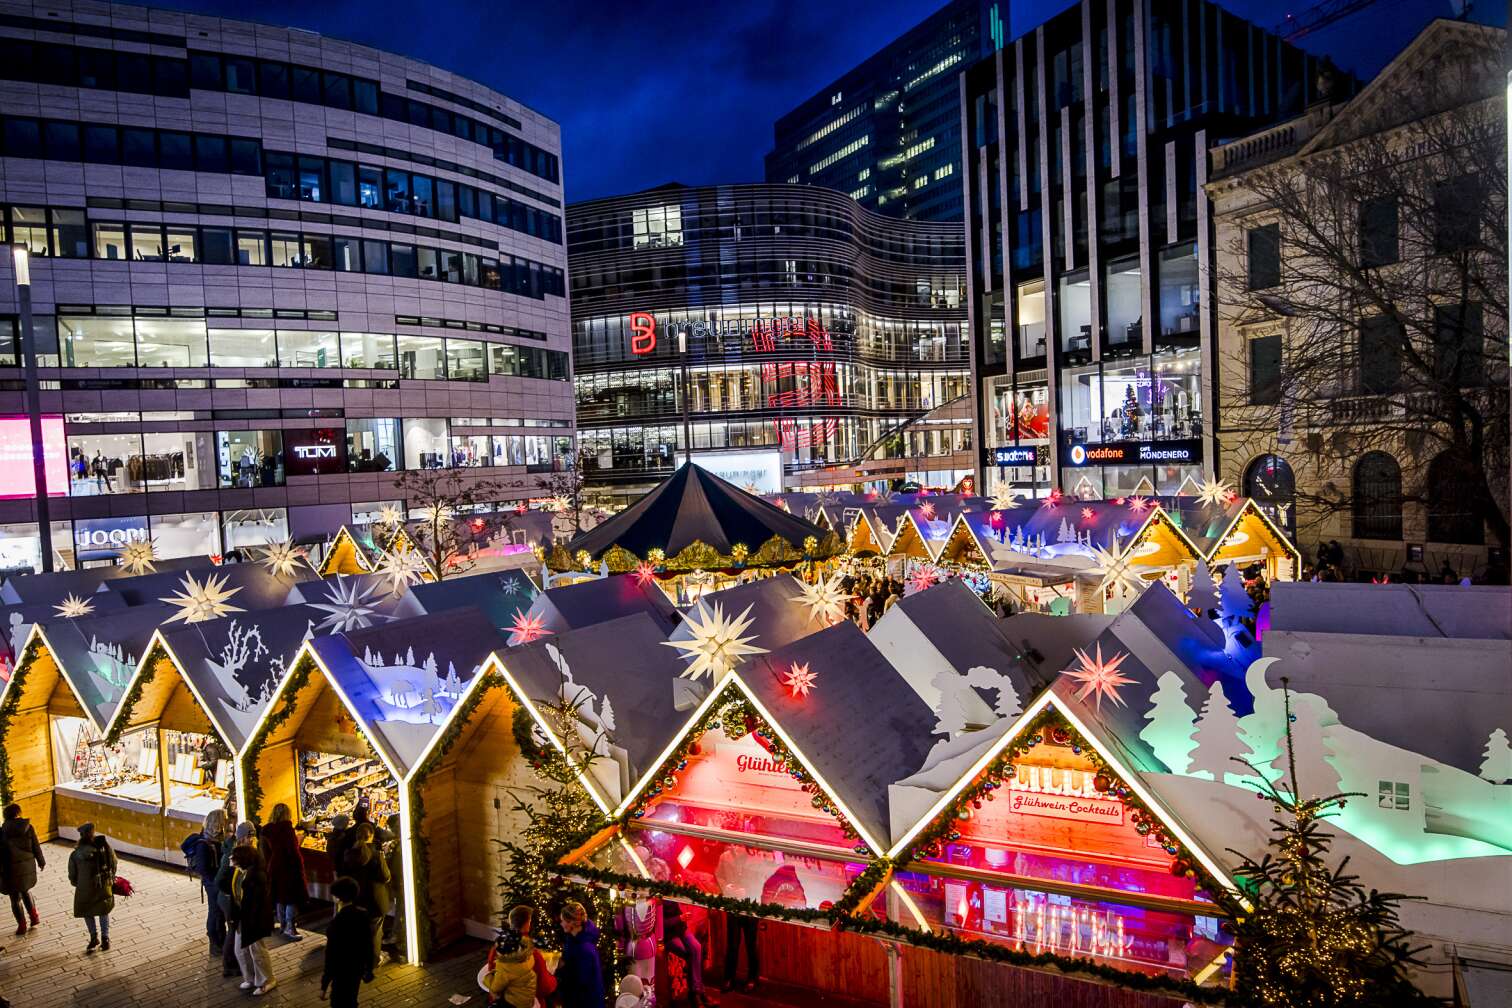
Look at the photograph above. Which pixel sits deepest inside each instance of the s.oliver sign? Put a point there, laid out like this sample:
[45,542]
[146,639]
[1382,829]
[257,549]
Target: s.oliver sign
[1181,452]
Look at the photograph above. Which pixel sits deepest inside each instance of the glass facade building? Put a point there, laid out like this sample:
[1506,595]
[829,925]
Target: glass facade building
[777,330]
[269,272]
[887,132]
[1090,238]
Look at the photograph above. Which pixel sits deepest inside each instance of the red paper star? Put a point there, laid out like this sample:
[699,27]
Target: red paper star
[1088,514]
[1099,678]
[1139,504]
[799,680]
[922,577]
[927,509]
[644,573]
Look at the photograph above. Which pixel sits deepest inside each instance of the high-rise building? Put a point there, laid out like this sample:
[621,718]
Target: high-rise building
[888,132]
[269,271]
[1090,239]
[792,338]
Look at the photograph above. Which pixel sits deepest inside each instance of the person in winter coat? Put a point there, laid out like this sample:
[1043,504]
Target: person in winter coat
[511,977]
[252,909]
[680,941]
[393,853]
[203,852]
[20,858]
[92,872]
[366,865]
[286,872]
[246,835]
[580,978]
[348,947]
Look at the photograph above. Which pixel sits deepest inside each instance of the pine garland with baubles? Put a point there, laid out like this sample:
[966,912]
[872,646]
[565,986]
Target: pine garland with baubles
[1316,937]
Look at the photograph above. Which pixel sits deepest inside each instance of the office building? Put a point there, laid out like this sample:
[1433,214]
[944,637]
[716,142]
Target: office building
[819,344]
[269,270]
[1089,240]
[888,131]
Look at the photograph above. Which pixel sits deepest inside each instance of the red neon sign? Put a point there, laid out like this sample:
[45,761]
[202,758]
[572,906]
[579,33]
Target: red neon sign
[642,333]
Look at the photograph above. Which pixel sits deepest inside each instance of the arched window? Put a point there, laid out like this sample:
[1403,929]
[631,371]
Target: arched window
[1270,484]
[1451,488]
[1377,497]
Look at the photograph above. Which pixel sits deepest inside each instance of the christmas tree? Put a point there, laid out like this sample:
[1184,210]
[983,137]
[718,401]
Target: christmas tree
[1218,742]
[1169,733]
[1316,937]
[1497,764]
[1203,597]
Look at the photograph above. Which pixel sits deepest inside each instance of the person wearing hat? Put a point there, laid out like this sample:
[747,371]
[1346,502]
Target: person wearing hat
[92,872]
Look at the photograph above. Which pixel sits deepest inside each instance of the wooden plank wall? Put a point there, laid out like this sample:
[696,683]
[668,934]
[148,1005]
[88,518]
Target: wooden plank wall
[143,829]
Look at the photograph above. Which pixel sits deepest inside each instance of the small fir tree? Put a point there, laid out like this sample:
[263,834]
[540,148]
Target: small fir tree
[1496,767]
[1316,937]
[1218,741]
[1169,733]
[1204,596]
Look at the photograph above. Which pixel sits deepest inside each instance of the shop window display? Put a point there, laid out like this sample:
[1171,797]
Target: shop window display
[257,527]
[176,460]
[332,785]
[251,458]
[105,464]
[199,773]
[186,535]
[126,771]
[372,444]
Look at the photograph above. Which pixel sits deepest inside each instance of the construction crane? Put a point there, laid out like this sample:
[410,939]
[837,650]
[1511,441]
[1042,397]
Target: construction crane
[1295,26]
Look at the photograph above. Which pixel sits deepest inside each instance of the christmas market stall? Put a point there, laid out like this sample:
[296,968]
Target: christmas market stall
[778,609]
[52,587]
[355,714]
[201,688]
[73,672]
[1234,530]
[345,554]
[239,587]
[696,533]
[871,529]
[16,621]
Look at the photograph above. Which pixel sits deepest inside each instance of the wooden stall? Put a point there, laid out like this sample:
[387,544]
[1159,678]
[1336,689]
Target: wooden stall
[1249,538]
[345,555]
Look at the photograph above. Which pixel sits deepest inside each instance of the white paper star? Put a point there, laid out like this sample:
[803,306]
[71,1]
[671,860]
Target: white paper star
[137,557]
[390,515]
[439,514]
[72,607]
[1214,492]
[1099,678]
[282,559]
[1117,569]
[1006,497]
[716,646]
[202,600]
[825,600]
[400,568]
[350,605]
[799,680]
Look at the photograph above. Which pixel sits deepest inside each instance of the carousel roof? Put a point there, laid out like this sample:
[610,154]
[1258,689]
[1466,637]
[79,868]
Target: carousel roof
[694,505]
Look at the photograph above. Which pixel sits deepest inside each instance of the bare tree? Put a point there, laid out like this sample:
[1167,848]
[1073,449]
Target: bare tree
[566,485]
[1391,293]
[449,529]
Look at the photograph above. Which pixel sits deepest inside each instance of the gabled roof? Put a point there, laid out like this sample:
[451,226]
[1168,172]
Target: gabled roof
[693,505]
[346,555]
[502,595]
[16,620]
[350,601]
[953,618]
[776,617]
[98,655]
[1391,610]
[403,678]
[860,729]
[53,587]
[233,664]
[254,585]
[571,607]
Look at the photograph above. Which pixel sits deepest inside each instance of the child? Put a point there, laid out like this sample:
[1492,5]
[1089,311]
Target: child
[511,976]
[349,947]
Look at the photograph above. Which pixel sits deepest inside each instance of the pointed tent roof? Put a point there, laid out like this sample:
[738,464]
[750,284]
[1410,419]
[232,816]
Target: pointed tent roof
[234,688]
[99,655]
[404,703]
[571,607]
[694,505]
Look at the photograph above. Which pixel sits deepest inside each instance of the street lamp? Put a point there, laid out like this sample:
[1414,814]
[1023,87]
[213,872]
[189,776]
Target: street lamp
[21,263]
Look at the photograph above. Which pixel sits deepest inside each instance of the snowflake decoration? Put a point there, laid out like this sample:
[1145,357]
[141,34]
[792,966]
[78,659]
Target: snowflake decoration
[825,498]
[137,557]
[202,600]
[644,573]
[927,509]
[1099,678]
[509,586]
[401,568]
[391,516]
[1005,498]
[716,645]
[799,680]
[1139,505]
[282,559]
[921,577]
[1117,570]
[1215,492]
[350,605]
[825,600]
[527,629]
[72,607]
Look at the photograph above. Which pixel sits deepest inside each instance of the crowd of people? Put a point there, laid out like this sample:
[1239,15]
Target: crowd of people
[871,595]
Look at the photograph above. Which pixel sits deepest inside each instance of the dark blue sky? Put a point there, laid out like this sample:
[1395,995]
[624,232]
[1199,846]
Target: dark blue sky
[687,90]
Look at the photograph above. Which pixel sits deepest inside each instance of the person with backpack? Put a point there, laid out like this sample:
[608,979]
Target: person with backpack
[252,909]
[202,853]
[20,858]
[511,976]
[92,872]
[246,834]
[348,947]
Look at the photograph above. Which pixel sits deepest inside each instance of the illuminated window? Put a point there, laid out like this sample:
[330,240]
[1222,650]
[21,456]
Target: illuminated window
[944,170]
[863,175]
[657,227]
[921,182]
[918,148]
[843,152]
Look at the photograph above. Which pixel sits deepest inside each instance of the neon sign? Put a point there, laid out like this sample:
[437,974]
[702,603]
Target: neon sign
[642,333]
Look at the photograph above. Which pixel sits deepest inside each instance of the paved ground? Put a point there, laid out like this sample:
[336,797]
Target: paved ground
[158,956]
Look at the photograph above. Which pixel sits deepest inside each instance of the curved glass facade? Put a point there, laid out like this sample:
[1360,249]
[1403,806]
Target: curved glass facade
[779,320]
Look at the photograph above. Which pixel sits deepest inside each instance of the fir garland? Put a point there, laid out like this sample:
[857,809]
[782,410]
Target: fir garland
[298,676]
[10,703]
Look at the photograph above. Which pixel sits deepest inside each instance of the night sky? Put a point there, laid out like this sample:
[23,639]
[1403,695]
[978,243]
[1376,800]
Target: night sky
[687,90]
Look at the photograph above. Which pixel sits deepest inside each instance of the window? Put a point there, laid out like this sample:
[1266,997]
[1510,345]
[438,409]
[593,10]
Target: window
[421,357]
[101,145]
[251,458]
[1457,207]
[1395,795]
[1377,497]
[1378,232]
[29,228]
[246,157]
[307,349]
[62,141]
[279,172]
[1030,316]
[370,187]
[70,236]
[109,240]
[251,248]
[402,260]
[210,154]
[425,443]
[343,183]
[100,464]
[96,342]
[305,85]
[1380,355]
[243,348]
[1265,370]
[346,255]
[312,179]
[338,91]
[273,80]
[283,249]
[171,343]
[175,150]
[656,227]
[1459,344]
[181,245]
[1454,485]
[138,148]
[372,444]
[317,251]
[241,75]
[147,243]
[374,256]
[1264,257]
[216,246]
[465,361]
[368,350]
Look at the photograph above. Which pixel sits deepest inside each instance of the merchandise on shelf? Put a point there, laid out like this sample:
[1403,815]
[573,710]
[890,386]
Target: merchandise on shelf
[332,785]
[87,766]
[199,773]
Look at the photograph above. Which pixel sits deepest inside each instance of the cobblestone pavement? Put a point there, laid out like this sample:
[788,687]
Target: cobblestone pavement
[159,956]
